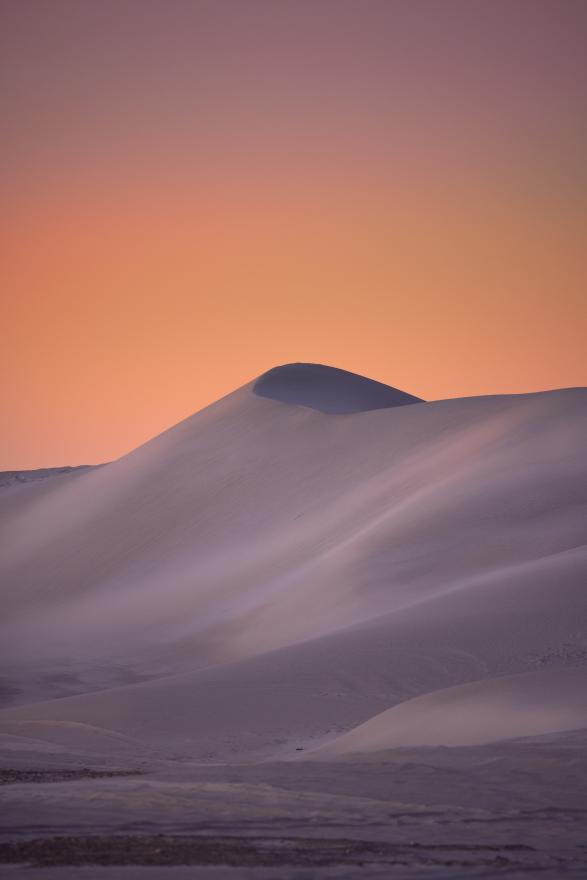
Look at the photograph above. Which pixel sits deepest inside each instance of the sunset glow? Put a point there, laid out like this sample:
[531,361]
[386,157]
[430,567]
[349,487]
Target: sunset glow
[198,191]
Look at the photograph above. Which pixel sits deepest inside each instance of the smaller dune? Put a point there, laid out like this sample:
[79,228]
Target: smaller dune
[508,707]
[328,389]
[8,479]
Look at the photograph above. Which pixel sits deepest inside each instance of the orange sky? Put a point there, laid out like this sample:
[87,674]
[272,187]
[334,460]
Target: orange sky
[195,194]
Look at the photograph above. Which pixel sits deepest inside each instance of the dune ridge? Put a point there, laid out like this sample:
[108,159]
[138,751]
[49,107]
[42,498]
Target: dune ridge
[328,389]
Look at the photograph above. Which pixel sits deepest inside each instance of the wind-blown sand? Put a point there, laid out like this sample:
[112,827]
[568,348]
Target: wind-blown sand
[314,562]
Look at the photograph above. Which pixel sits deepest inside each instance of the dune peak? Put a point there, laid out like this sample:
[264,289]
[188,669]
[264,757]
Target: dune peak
[328,389]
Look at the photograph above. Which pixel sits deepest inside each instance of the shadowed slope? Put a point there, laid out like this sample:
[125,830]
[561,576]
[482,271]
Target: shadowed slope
[328,389]
[267,705]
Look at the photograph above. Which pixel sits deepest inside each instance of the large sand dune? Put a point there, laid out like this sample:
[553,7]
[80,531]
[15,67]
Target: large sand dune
[312,551]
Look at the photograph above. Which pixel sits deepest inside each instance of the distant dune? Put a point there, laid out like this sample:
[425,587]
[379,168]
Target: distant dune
[15,478]
[315,558]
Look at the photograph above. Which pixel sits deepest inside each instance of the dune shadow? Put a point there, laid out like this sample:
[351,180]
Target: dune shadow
[328,389]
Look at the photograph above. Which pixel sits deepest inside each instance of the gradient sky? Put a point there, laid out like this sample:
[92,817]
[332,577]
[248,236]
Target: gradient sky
[198,190]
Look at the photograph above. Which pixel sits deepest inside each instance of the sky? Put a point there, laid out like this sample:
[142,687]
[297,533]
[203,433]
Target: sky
[195,191]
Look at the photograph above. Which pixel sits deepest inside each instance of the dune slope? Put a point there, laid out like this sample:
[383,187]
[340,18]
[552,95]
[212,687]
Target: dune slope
[530,704]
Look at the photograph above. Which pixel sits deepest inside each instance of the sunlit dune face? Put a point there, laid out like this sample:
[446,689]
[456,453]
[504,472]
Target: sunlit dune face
[195,194]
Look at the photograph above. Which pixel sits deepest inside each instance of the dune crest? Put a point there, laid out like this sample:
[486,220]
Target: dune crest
[328,389]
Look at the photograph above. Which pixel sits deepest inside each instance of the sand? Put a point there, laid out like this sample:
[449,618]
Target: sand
[310,572]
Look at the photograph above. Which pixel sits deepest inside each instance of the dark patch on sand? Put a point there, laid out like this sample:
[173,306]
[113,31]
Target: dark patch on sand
[13,777]
[245,851]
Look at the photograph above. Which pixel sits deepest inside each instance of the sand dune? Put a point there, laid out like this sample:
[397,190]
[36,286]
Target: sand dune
[309,552]
[530,704]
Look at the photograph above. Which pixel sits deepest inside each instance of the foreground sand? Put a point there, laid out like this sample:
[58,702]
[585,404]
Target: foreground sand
[318,608]
[503,810]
